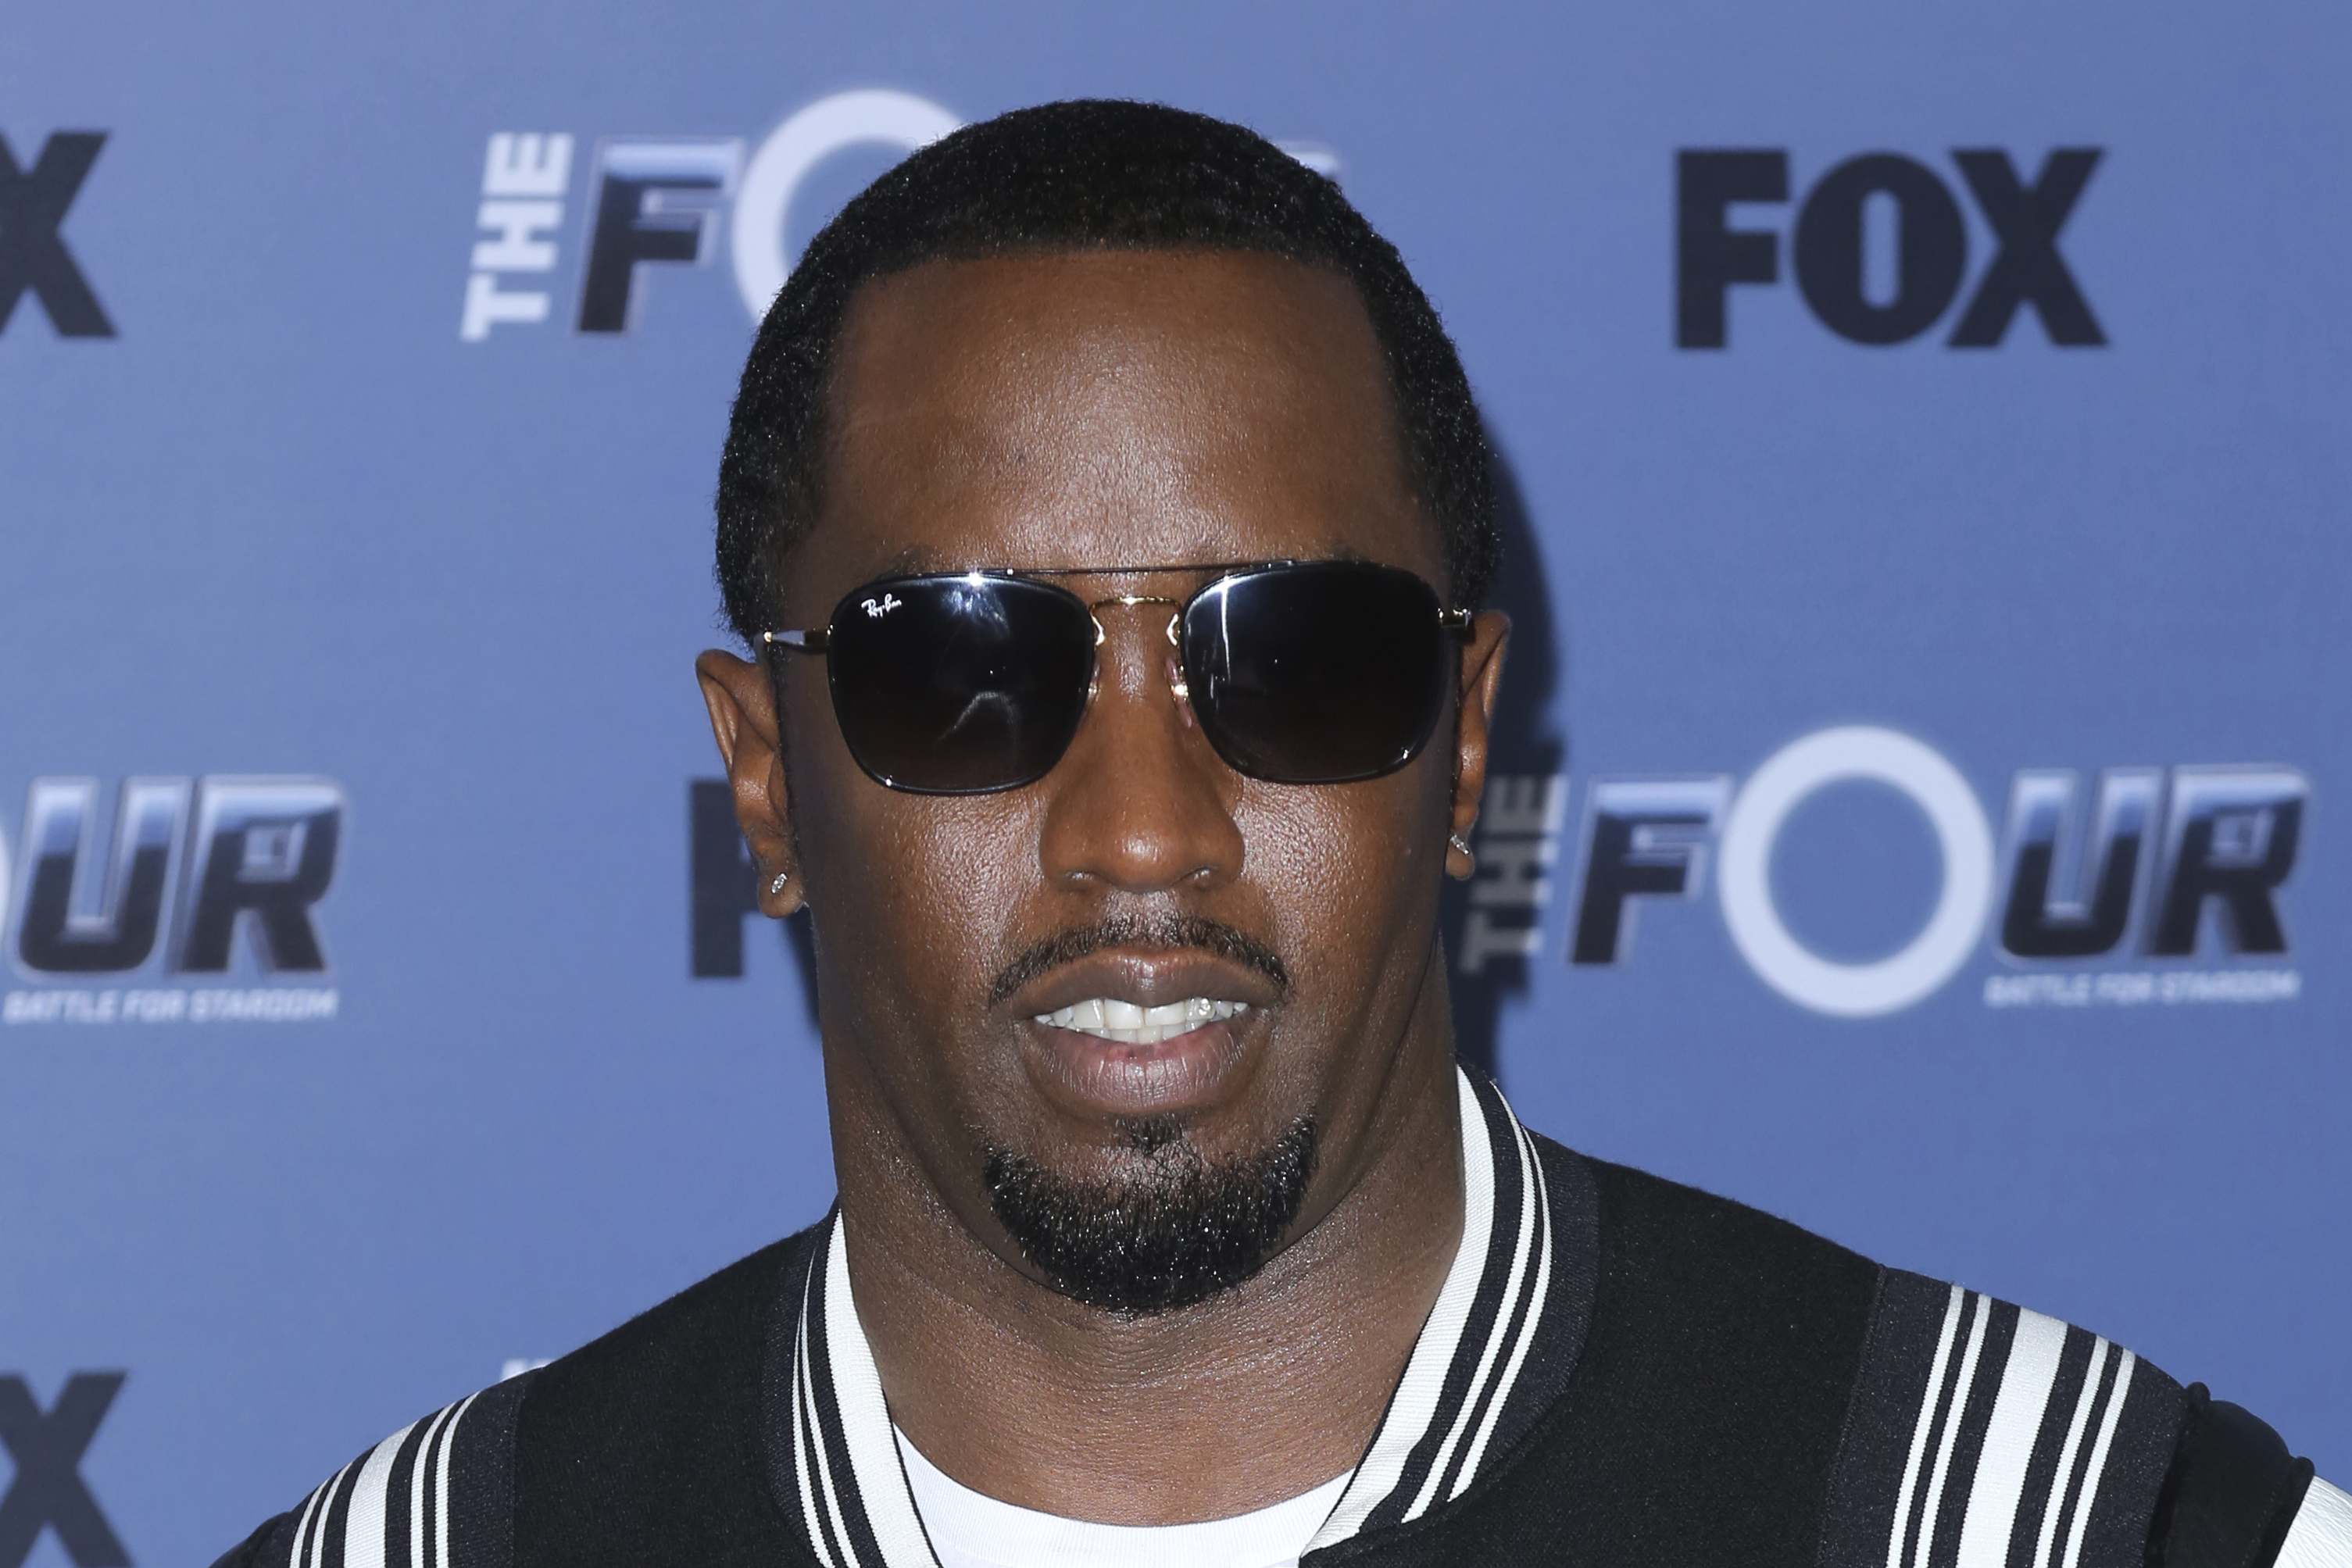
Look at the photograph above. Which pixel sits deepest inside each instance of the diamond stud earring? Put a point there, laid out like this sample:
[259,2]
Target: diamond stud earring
[777,886]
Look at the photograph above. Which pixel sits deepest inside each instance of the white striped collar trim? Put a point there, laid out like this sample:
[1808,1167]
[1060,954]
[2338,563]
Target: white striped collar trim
[859,1512]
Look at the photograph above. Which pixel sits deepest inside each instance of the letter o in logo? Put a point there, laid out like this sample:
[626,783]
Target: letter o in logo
[799,145]
[1932,248]
[1831,757]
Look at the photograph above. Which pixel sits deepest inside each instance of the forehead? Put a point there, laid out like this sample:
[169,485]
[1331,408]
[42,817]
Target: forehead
[1109,408]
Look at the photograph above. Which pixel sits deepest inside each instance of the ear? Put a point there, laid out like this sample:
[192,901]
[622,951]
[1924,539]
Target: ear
[1482,678]
[742,706]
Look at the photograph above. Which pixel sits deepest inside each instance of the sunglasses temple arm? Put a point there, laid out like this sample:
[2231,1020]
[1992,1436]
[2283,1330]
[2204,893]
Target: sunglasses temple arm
[811,642]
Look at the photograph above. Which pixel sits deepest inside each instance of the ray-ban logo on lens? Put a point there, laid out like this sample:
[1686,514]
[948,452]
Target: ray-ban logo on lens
[878,607]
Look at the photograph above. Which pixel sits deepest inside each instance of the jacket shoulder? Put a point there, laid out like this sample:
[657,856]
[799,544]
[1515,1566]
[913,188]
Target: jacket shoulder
[1982,1432]
[650,1444]
[446,1478]
[1715,1253]
[1701,1416]
[479,1480]
[1927,1424]
[1713,1388]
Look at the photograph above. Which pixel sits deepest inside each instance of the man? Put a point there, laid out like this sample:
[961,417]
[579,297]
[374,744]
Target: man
[1106,512]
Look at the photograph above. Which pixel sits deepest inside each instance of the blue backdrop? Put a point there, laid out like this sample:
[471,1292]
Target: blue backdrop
[1927,431]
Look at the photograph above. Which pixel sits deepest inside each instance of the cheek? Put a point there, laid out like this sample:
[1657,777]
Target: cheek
[910,896]
[1351,873]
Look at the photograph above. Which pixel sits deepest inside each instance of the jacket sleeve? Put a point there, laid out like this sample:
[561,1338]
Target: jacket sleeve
[438,1490]
[255,1549]
[2234,1498]
[1981,1434]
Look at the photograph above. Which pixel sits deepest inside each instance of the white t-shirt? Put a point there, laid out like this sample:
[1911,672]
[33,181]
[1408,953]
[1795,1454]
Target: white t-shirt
[971,1529]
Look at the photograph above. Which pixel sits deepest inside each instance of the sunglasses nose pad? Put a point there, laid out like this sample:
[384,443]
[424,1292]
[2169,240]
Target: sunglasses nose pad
[1176,682]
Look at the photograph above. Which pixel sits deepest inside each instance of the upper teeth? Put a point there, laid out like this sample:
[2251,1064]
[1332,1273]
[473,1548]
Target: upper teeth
[1106,1017]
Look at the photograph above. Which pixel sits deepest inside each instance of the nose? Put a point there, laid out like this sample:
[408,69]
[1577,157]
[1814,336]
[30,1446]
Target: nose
[1141,802]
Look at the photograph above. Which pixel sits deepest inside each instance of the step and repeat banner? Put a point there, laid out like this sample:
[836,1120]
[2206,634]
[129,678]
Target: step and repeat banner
[1925,440]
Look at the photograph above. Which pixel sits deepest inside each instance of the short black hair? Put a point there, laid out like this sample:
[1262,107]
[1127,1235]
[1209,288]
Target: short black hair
[1082,174]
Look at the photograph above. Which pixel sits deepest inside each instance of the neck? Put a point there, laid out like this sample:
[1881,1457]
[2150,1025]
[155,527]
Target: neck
[1263,1392]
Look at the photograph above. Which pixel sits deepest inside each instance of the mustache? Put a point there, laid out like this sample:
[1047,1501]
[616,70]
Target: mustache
[1165,932]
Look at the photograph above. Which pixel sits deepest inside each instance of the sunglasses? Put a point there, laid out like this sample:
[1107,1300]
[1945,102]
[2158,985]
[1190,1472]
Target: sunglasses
[1299,671]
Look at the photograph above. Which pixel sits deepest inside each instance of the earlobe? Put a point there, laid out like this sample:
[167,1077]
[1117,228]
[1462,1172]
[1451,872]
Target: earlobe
[743,723]
[1461,863]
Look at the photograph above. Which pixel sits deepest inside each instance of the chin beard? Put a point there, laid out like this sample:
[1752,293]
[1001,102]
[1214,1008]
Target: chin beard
[1170,1230]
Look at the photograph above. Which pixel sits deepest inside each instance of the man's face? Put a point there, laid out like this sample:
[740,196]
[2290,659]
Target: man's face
[1110,410]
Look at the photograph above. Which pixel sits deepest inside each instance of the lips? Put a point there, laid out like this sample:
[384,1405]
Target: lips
[1128,1032]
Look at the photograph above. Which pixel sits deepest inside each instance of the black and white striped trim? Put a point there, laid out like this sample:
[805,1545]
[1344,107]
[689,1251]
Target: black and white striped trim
[2022,1443]
[1445,1421]
[2321,1535]
[854,1503]
[1441,1421]
[417,1499]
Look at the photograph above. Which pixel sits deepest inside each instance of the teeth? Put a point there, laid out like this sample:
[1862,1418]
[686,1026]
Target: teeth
[1107,1017]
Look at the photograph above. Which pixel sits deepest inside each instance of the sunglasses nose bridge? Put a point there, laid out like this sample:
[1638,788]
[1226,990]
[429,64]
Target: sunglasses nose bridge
[1174,628]
[1128,600]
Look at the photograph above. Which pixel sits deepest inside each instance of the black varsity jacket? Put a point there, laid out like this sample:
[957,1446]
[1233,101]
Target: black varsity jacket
[1618,1371]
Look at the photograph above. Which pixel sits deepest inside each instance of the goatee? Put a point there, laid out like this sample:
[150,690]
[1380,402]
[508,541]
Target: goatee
[1171,1230]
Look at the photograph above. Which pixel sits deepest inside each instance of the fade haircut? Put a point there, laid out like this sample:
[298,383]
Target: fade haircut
[1082,175]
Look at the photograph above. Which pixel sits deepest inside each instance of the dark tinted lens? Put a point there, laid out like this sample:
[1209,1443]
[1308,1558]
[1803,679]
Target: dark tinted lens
[1317,675]
[954,685]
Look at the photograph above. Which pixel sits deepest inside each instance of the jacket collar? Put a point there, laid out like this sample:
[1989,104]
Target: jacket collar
[1493,1355]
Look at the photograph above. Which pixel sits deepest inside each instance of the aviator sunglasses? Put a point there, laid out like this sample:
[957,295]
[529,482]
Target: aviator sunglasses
[1299,671]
